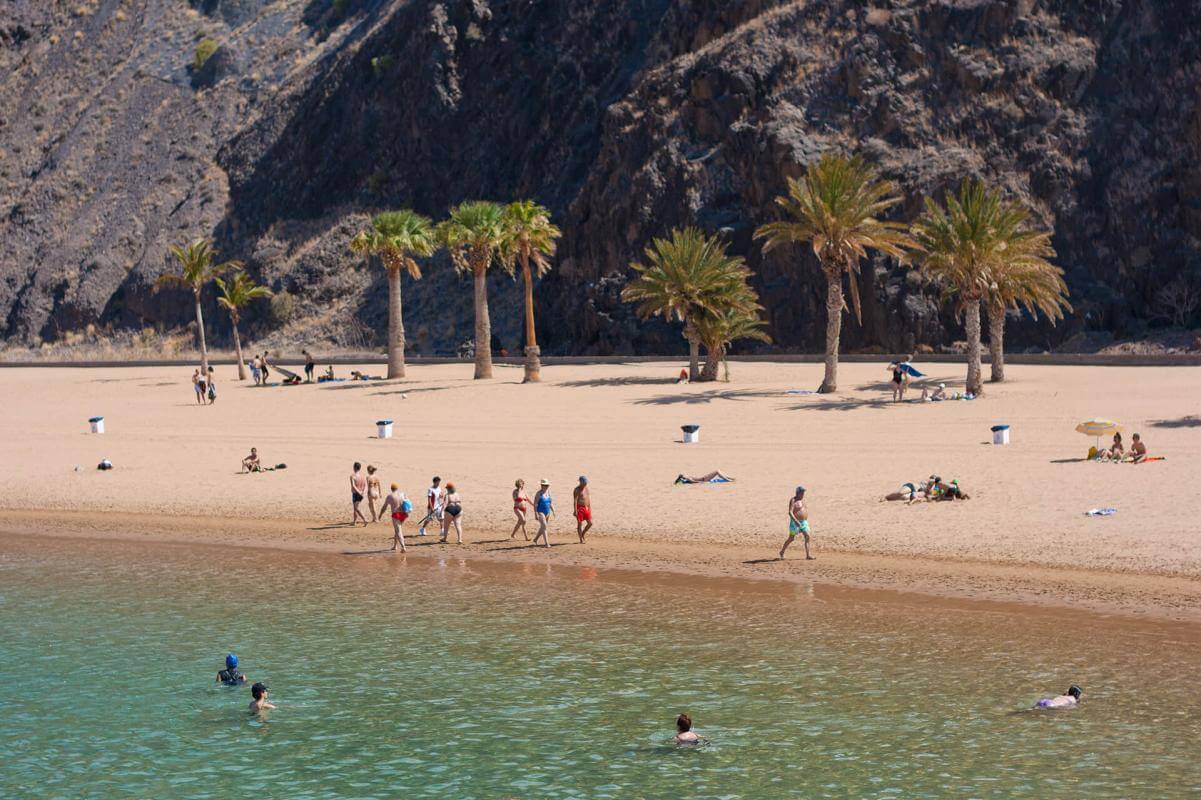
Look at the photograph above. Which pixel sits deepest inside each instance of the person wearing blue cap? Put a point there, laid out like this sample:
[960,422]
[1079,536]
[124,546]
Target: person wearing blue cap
[798,522]
[583,508]
[230,675]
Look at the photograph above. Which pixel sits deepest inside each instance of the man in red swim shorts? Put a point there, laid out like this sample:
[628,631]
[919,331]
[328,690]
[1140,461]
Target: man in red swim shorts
[583,508]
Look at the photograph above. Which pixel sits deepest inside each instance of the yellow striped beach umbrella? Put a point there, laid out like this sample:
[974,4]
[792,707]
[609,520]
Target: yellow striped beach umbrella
[1098,428]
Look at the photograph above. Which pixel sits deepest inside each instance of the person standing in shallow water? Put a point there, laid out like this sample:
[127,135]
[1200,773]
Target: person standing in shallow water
[684,732]
[798,522]
[453,515]
[399,505]
[358,488]
[583,508]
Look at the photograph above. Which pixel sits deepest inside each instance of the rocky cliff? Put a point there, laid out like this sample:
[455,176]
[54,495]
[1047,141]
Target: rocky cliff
[277,126]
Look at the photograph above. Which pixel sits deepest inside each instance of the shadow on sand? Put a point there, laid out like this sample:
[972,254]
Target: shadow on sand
[593,383]
[704,397]
[1190,421]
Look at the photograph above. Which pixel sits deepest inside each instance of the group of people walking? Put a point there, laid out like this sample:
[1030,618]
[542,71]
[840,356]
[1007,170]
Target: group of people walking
[444,507]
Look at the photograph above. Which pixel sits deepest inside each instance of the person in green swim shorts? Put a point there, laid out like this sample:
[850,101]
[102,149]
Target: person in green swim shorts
[798,522]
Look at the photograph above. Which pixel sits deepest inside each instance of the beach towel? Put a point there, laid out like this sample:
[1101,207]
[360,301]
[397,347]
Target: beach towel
[1100,512]
[800,391]
[909,368]
[1152,458]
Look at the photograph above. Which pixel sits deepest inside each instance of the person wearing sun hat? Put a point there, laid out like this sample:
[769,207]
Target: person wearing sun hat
[544,509]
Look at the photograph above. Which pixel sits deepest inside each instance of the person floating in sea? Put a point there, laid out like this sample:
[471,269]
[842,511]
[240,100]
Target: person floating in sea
[583,508]
[358,488]
[798,522]
[435,502]
[544,508]
[520,502]
[374,492]
[400,508]
[453,515]
[230,675]
[309,366]
[1066,700]
[684,732]
[259,704]
[251,463]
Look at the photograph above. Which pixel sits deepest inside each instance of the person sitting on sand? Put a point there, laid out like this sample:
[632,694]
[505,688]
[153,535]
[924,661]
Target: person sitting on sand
[940,393]
[1138,450]
[716,476]
[259,704]
[453,515]
[1066,700]
[583,508]
[684,732]
[230,675]
[399,505]
[798,522]
[251,463]
[358,488]
[374,492]
[544,508]
[1115,452]
[520,502]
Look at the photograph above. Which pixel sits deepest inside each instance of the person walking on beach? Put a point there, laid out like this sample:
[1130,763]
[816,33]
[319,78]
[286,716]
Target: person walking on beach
[520,502]
[309,366]
[374,492]
[583,508]
[452,515]
[399,505]
[198,386]
[798,522]
[212,388]
[256,370]
[259,704]
[266,367]
[358,488]
[544,508]
[435,500]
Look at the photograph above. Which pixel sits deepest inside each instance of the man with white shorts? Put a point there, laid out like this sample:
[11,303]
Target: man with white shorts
[435,504]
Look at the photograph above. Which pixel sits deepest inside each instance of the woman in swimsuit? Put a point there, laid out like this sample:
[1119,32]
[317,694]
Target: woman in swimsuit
[543,509]
[454,512]
[899,377]
[374,492]
[520,501]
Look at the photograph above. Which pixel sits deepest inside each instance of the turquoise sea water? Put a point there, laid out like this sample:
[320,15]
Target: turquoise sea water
[424,678]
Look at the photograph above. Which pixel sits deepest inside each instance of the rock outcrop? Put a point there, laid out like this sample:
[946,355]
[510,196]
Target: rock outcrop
[624,118]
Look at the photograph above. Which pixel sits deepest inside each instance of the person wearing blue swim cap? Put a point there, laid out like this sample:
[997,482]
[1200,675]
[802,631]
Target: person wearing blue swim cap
[230,675]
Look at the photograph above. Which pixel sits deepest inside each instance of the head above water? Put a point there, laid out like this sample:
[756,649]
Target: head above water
[231,661]
[683,723]
[258,691]
[1075,691]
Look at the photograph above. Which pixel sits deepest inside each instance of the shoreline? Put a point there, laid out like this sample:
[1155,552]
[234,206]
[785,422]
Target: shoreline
[1025,587]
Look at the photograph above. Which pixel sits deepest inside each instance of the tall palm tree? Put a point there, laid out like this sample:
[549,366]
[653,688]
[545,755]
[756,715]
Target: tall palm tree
[685,277]
[473,235]
[396,236]
[1037,286]
[718,331]
[530,240]
[196,269]
[235,295]
[835,207]
[968,244]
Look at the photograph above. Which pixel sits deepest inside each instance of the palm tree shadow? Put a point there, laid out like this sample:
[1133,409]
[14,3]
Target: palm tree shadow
[704,397]
[840,405]
[626,381]
[763,561]
[1068,460]
[1190,421]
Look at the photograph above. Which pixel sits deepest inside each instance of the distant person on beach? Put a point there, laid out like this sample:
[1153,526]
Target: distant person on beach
[259,704]
[230,675]
[798,522]
[1116,451]
[309,366]
[1067,700]
[198,386]
[521,502]
[683,376]
[374,492]
[251,463]
[399,505]
[716,476]
[900,380]
[910,493]
[1138,450]
[937,489]
[684,732]
[212,388]
[435,501]
[583,508]
[358,488]
[452,515]
[256,370]
[266,367]
[544,507]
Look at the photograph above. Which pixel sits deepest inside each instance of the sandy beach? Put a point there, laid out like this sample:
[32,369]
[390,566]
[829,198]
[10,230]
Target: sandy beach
[1022,537]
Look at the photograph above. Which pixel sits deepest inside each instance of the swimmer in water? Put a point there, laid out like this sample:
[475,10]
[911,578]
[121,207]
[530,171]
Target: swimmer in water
[1069,699]
[230,675]
[259,704]
[684,733]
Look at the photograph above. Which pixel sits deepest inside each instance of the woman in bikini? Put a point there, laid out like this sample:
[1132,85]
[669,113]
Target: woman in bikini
[452,515]
[374,492]
[520,501]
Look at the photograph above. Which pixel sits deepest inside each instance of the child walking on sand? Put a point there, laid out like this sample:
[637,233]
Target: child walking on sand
[798,522]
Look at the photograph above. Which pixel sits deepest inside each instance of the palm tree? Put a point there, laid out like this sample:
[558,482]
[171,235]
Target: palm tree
[967,247]
[474,234]
[396,236]
[1036,286]
[835,207]
[531,240]
[235,295]
[196,268]
[685,277]
[718,331]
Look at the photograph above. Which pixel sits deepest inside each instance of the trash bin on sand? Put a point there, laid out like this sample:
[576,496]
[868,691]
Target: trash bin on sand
[692,433]
[384,427]
[1000,434]
[97,424]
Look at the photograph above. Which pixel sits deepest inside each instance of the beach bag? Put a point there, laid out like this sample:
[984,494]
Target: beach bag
[406,506]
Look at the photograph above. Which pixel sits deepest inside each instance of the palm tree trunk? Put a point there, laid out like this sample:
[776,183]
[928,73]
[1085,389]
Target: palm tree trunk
[396,328]
[974,379]
[533,364]
[834,305]
[204,353]
[233,319]
[996,341]
[483,325]
[694,353]
[712,362]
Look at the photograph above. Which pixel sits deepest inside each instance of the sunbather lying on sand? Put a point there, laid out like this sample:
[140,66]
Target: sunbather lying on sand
[910,493]
[709,477]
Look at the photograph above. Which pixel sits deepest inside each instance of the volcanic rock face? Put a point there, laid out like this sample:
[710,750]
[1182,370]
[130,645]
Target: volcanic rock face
[625,118]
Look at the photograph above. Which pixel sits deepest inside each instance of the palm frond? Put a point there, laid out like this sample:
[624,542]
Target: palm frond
[474,234]
[396,237]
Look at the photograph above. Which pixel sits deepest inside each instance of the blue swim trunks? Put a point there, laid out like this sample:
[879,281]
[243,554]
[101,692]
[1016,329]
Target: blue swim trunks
[795,529]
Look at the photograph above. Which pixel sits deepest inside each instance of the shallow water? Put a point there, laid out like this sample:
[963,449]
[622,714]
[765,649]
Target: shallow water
[424,678]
